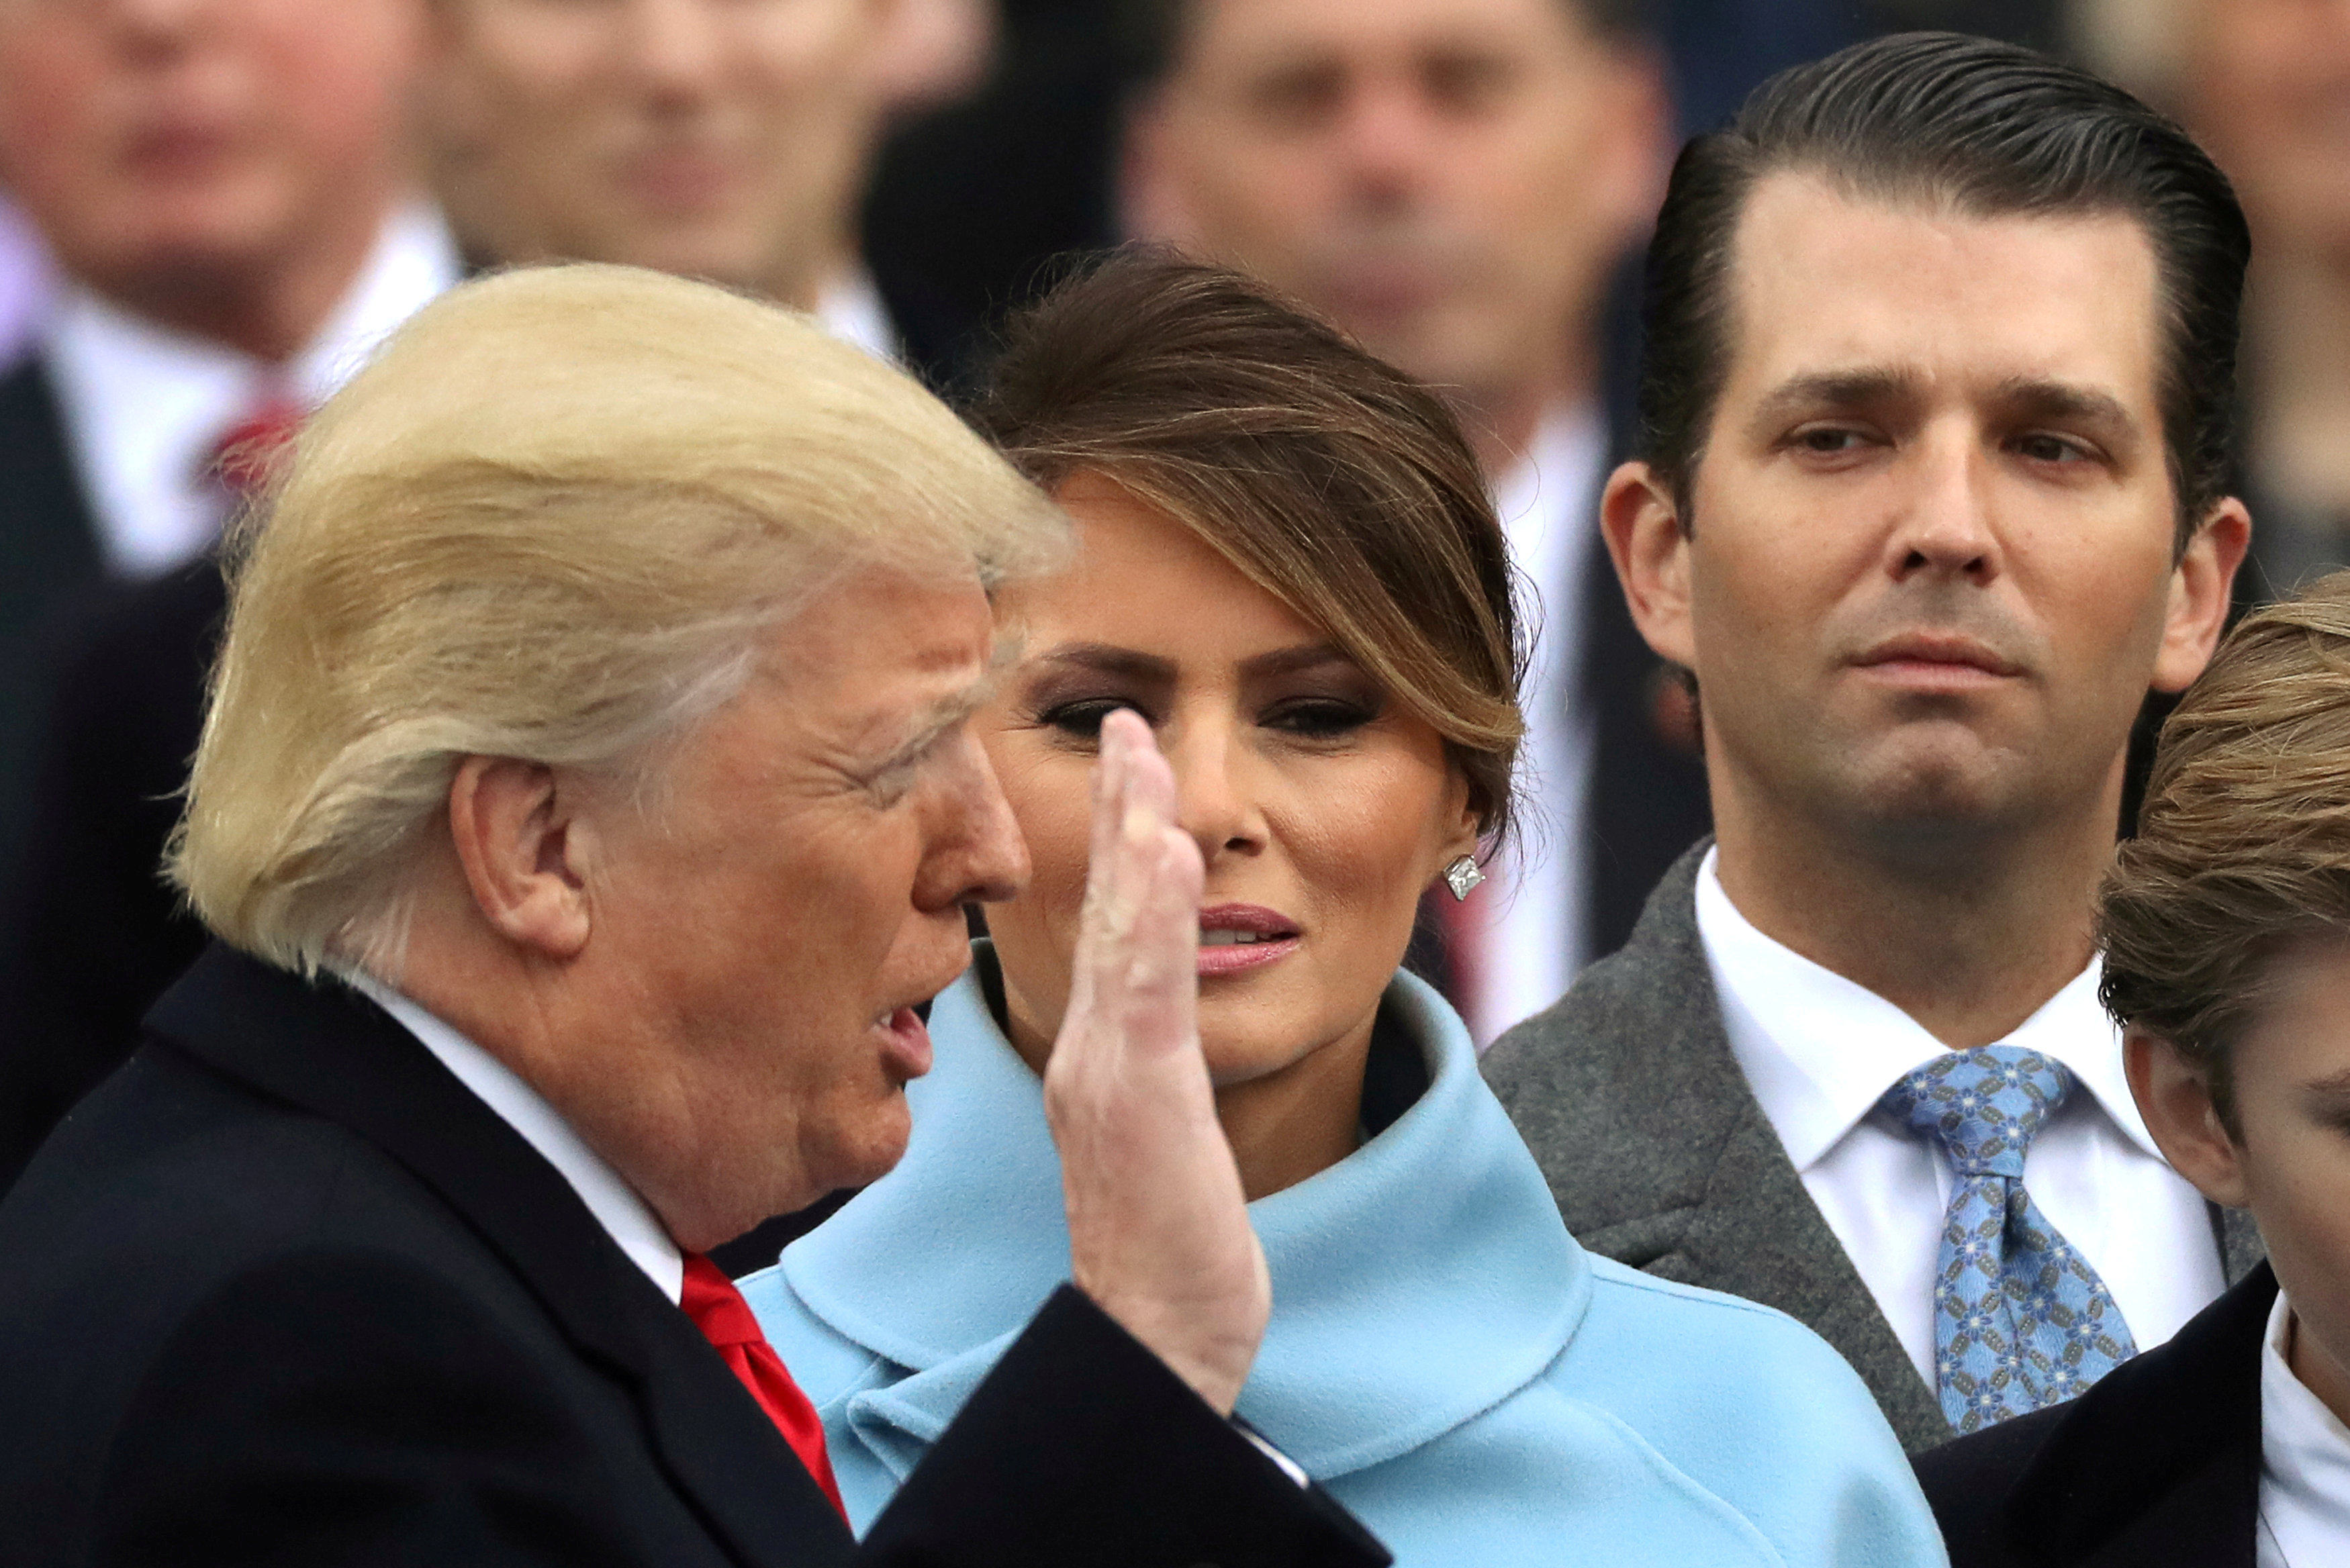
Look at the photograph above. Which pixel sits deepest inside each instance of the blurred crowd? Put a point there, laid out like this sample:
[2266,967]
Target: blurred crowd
[214,207]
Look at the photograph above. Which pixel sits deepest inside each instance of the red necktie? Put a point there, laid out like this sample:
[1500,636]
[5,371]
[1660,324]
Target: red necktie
[248,453]
[724,1318]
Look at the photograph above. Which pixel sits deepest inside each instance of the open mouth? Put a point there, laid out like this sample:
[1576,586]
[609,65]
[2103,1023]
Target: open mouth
[1238,937]
[905,1042]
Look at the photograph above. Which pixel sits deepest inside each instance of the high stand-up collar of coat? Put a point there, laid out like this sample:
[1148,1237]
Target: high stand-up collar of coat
[1417,1283]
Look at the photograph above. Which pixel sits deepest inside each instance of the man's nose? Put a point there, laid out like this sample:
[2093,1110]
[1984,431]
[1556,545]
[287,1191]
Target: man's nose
[1387,134]
[1944,524]
[980,856]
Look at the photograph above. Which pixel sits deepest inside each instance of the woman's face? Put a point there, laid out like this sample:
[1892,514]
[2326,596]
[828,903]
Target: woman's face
[1322,807]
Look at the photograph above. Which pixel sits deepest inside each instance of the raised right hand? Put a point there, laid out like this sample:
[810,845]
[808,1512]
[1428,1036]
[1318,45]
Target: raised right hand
[1158,1230]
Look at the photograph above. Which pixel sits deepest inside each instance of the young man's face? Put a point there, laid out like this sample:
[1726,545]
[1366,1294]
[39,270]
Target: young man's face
[2289,1161]
[1928,573]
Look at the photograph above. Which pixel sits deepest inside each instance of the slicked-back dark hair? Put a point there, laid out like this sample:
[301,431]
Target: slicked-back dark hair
[1986,129]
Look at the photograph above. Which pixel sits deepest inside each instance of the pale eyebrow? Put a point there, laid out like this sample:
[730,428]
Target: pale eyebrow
[953,708]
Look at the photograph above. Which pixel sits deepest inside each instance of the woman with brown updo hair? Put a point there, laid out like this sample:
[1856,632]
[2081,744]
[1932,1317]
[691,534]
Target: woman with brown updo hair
[1287,564]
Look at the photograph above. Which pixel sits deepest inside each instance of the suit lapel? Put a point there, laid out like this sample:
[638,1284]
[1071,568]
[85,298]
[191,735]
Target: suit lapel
[329,1050]
[2160,1462]
[1662,1159]
[1758,1234]
[1755,1231]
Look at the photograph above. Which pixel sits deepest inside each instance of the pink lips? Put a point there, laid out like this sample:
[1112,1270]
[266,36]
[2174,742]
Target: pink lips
[1271,937]
[1937,662]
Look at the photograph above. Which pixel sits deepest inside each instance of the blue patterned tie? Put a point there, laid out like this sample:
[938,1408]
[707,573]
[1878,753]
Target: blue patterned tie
[2020,1318]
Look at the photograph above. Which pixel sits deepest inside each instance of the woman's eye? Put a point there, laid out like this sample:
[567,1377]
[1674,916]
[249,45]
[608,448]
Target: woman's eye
[1082,720]
[1318,718]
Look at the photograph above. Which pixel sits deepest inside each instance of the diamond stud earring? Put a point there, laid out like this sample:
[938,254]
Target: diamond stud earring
[1462,878]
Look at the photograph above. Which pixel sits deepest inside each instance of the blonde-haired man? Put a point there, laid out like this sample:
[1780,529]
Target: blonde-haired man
[590,734]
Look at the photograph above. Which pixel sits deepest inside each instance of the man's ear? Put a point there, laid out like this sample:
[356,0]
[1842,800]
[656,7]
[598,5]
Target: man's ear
[515,831]
[1650,549]
[2201,585]
[2174,1095]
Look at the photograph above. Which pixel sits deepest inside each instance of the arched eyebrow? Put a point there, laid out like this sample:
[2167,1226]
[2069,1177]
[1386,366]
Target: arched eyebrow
[1282,661]
[1109,658]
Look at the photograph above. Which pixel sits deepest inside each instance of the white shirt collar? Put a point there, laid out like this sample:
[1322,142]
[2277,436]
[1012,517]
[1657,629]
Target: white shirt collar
[851,308]
[1545,501]
[1819,1050]
[2304,1457]
[143,404]
[623,1214]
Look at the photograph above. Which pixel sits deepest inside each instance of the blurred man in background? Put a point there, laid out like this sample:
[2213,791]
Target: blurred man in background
[1455,183]
[225,188]
[2265,85]
[727,140]
[224,185]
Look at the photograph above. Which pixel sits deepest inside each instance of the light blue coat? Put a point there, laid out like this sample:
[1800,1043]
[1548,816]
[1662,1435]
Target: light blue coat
[1442,1356]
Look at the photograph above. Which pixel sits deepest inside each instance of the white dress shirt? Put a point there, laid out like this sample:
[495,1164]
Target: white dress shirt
[1818,1050]
[2304,1462]
[144,405]
[1533,928]
[851,308]
[612,1201]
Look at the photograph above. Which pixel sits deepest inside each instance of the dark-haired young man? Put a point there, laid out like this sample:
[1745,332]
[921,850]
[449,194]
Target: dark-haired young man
[1940,361]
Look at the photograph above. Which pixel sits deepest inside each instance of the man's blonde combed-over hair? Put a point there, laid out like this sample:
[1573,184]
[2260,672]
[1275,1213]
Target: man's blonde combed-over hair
[556,518]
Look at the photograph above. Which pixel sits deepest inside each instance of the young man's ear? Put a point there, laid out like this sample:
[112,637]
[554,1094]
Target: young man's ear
[1650,550]
[2174,1095]
[2202,586]
[517,836]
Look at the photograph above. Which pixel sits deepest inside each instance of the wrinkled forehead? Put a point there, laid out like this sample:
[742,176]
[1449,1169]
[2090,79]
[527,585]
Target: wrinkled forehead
[1826,280]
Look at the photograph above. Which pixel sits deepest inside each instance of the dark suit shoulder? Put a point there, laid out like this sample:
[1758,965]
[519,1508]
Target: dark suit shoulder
[328,1399]
[263,1339]
[1968,1481]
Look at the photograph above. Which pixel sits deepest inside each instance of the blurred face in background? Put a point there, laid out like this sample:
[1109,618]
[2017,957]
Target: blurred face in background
[176,148]
[719,138]
[2267,91]
[1451,181]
